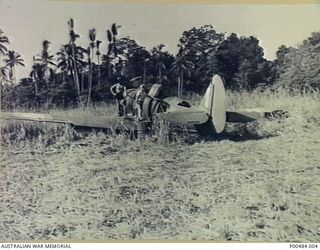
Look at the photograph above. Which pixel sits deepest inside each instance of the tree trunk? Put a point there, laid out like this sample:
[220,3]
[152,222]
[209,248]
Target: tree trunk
[46,78]
[90,81]
[72,76]
[182,82]
[144,72]
[109,69]
[99,83]
[1,75]
[90,84]
[179,85]
[75,71]
[159,74]
[14,74]
[82,82]
[36,87]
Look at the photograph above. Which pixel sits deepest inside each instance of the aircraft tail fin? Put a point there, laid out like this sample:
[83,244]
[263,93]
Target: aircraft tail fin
[206,103]
[214,104]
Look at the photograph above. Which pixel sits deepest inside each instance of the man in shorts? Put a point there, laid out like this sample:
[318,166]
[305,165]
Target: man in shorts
[119,91]
[140,96]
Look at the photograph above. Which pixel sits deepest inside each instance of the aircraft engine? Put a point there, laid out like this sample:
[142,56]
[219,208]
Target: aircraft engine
[151,103]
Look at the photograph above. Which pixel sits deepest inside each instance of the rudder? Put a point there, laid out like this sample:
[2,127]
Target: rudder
[214,103]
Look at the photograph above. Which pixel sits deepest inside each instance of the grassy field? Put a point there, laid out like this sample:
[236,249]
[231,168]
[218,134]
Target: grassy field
[258,183]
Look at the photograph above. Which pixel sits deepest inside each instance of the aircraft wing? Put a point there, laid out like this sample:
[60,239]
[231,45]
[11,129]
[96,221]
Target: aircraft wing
[32,117]
[89,121]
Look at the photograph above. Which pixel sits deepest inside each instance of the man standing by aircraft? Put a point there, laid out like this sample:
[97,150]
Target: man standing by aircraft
[119,91]
[140,96]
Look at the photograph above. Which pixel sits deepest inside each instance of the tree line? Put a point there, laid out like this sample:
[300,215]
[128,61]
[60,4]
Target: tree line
[82,76]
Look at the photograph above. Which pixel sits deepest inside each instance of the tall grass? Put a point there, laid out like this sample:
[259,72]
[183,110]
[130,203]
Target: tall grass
[100,186]
[102,109]
[307,103]
[303,109]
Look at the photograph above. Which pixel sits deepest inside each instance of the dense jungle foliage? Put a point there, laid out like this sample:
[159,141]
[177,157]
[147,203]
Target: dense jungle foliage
[77,76]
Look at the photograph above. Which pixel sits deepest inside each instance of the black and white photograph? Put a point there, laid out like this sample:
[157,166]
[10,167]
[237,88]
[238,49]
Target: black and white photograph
[158,121]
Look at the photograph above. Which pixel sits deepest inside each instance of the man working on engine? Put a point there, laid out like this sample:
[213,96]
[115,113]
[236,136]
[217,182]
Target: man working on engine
[140,96]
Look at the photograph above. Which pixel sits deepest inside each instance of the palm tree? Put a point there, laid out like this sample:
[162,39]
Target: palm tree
[157,53]
[106,62]
[180,66]
[98,54]
[3,40]
[112,47]
[13,59]
[36,74]
[73,36]
[112,38]
[3,49]
[160,66]
[64,59]
[5,83]
[46,60]
[92,38]
[85,70]
[4,71]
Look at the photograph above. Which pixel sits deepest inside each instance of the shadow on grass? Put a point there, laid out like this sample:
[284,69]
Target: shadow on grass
[185,136]
[237,137]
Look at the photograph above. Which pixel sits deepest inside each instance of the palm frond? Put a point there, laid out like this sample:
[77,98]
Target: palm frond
[109,35]
[71,23]
[3,49]
[114,29]
[92,34]
[3,40]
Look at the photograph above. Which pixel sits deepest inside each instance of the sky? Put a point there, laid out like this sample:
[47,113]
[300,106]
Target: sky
[28,22]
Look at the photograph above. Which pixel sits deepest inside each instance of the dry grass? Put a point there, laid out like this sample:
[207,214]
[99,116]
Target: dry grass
[106,187]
